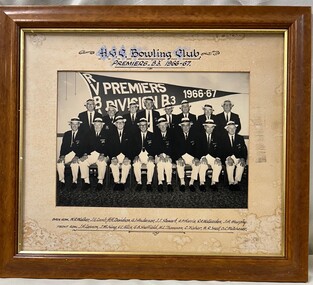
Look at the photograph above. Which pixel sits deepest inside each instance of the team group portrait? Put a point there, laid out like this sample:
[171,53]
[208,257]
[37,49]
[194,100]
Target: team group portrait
[159,140]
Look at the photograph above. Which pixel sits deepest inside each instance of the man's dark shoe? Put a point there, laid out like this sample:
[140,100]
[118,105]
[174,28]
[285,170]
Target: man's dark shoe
[160,187]
[169,188]
[192,188]
[231,187]
[182,188]
[99,186]
[74,186]
[202,188]
[138,187]
[116,187]
[122,187]
[214,187]
[236,187]
[86,186]
[61,185]
[149,187]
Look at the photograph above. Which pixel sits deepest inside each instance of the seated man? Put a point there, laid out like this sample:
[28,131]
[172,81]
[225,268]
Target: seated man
[186,150]
[144,154]
[208,148]
[73,147]
[164,153]
[234,153]
[120,152]
[98,154]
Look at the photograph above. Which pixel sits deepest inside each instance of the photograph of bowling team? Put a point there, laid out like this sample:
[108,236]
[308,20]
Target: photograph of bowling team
[155,158]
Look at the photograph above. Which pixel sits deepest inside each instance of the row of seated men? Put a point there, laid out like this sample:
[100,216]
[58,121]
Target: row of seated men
[129,142]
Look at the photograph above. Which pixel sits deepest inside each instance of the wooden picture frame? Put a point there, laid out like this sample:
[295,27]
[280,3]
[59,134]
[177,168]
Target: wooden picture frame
[293,266]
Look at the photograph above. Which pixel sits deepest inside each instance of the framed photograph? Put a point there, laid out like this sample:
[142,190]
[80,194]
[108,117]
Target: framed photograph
[155,142]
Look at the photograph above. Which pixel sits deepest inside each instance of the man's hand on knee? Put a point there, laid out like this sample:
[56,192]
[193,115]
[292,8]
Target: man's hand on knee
[180,162]
[230,161]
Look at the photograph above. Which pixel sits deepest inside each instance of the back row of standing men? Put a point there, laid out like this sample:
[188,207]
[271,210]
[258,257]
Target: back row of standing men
[146,138]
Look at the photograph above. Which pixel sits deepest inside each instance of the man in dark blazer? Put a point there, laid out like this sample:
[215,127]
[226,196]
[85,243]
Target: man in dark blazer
[151,115]
[208,115]
[209,153]
[120,152]
[171,118]
[109,118]
[97,154]
[87,117]
[185,108]
[234,154]
[144,153]
[164,152]
[186,152]
[73,147]
[132,117]
[227,115]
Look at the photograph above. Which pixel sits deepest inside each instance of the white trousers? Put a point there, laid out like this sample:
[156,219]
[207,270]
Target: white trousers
[137,170]
[216,169]
[194,172]
[93,158]
[235,170]
[74,167]
[164,168]
[125,168]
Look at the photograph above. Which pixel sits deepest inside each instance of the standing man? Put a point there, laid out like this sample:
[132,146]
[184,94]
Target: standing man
[98,154]
[88,116]
[171,118]
[227,115]
[209,148]
[164,153]
[208,115]
[132,117]
[185,108]
[144,154]
[149,114]
[121,154]
[73,147]
[110,117]
[186,149]
[234,153]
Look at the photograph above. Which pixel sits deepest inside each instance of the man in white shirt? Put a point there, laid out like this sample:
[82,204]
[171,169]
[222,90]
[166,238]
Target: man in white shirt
[186,152]
[109,118]
[144,154]
[227,115]
[132,117]
[164,153]
[72,148]
[209,153]
[149,114]
[185,113]
[97,154]
[171,118]
[87,117]
[234,153]
[121,144]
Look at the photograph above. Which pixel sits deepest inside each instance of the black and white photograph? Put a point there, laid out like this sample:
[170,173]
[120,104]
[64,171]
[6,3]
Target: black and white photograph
[152,139]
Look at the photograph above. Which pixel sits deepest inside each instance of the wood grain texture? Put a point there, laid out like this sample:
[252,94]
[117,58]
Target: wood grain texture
[293,267]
